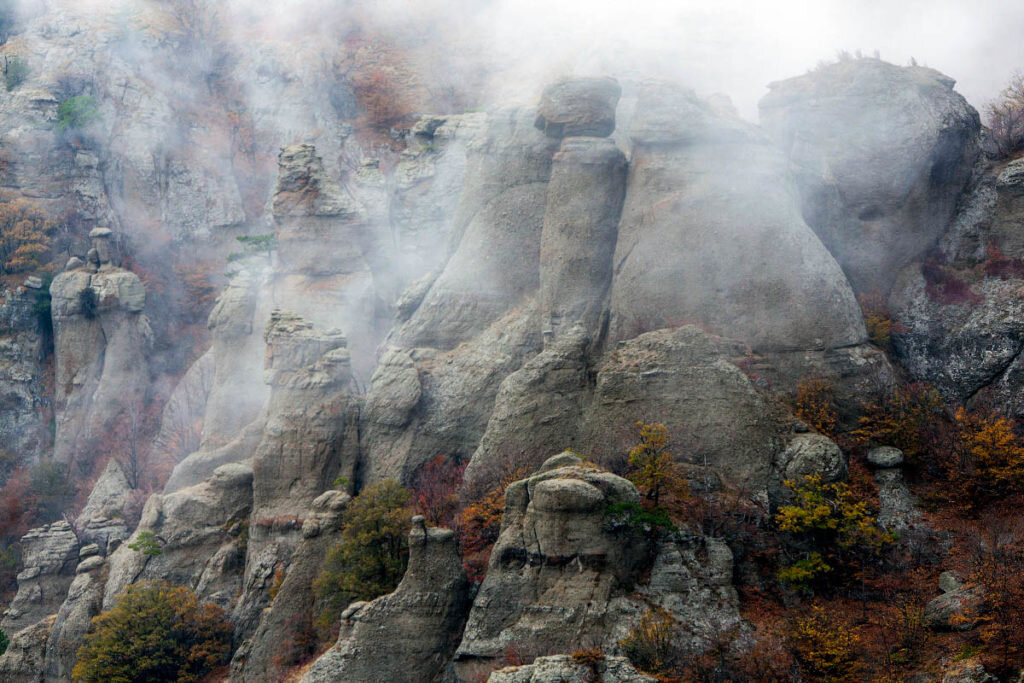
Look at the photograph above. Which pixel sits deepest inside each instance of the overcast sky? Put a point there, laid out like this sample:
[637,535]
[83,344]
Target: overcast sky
[737,47]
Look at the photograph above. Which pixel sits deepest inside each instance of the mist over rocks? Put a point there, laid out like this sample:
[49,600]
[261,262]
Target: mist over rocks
[880,153]
[493,286]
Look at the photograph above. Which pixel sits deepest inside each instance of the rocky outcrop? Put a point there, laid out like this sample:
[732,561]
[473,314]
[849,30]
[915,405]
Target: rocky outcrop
[407,635]
[882,202]
[568,569]
[24,402]
[324,249]
[49,558]
[101,341]
[556,566]
[958,312]
[311,436]
[710,235]
[584,202]
[23,660]
[83,602]
[265,655]
[566,668]
[426,186]
[200,539]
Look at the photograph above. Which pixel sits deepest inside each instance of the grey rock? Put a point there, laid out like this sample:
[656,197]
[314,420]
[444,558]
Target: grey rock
[897,506]
[33,282]
[557,668]
[295,604]
[191,525]
[685,378]
[584,203]
[949,582]
[703,191]
[101,351]
[885,456]
[49,558]
[88,550]
[554,569]
[956,610]
[809,454]
[23,662]
[579,107]
[968,671]
[111,496]
[83,602]
[497,228]
[89,564]
[410,634]
[880,203]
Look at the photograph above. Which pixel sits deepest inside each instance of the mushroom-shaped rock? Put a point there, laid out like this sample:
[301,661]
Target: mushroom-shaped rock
[579,107]
[885,456]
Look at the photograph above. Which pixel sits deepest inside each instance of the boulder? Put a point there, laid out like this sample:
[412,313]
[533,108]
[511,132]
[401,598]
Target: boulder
[880,202]
[885,456]
[83,602]
[578,106]
[810,454]
[955,610]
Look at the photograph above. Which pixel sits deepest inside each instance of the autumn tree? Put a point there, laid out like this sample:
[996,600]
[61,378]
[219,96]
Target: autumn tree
[650,464]
[1005,118]
[825,646]
[157,632]
[831,527]
[907,419]
[815,405]
[371,558]
[25,236]
[987,462]
[435,490]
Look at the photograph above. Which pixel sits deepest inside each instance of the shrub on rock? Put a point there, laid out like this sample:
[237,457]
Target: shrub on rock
[157,632]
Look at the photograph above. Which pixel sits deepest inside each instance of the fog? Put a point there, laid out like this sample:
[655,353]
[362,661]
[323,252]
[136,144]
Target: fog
[731,46]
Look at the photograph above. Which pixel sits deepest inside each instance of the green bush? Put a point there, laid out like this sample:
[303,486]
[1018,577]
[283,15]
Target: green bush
[76,113]
[4,642]
[372,555]
[157,632]
[15,72]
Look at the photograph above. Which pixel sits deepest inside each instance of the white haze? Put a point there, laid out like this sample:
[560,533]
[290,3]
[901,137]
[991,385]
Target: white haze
[731,46]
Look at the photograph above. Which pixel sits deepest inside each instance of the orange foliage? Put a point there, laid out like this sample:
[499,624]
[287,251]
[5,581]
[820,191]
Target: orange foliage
[479,524]
[199,289]
[906,419]
[25,236]
[815,405]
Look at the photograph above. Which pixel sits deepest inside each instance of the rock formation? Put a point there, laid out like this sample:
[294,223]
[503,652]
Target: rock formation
[407,635]
[881,203]
[101,340]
